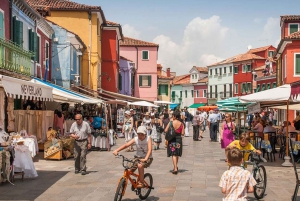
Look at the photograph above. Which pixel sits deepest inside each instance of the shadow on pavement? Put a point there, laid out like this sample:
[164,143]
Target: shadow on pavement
[30,188]
[150,198]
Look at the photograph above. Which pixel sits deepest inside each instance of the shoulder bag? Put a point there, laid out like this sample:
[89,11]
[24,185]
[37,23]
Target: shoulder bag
[171,133]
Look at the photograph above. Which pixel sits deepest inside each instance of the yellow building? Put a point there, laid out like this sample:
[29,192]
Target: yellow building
[85,21]
[164,79]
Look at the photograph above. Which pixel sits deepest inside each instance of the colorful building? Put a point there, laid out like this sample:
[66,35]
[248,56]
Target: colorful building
[126,75]
[164,79]
[86,22]
[198,77]
[111,35]
[144,56]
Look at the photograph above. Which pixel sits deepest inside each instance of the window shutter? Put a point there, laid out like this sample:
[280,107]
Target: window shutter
[1,25]
[297,67]
[167,89]
[120,81]
[132,81]
[173,94]
[29,39]
[180,94]
[14,38]
[159,89]
[274,85]
[20,33]
[34,45]
[149,80]
[293,28]
[192,91]
[140,80]
[38,49]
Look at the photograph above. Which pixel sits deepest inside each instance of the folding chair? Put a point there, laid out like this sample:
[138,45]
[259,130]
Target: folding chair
[294,198]
[272,139]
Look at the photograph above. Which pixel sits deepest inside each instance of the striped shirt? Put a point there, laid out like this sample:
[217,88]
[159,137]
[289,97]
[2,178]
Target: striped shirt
[236,181]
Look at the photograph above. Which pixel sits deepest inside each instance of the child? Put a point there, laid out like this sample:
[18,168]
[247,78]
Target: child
[143,156]
[236,182]
[242,144]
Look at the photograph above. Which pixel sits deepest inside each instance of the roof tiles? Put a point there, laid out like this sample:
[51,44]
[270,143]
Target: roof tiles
[295,35]
[202,69]
[284,18]
[135,42]
[260,49]
[181,79]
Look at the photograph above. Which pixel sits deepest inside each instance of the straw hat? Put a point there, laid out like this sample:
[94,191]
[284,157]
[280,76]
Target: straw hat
[147,114]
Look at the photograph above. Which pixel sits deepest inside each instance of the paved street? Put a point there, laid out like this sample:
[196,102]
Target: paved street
[200,169]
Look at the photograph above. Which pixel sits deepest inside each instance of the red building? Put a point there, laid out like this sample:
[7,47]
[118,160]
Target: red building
[111,35]
[200,90]
[253,65]
[4,19]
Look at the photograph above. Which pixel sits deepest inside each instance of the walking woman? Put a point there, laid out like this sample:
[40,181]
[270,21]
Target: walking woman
[165,122]
[127,128]
[147,123]
[156,134]
[174,148]
[226,133]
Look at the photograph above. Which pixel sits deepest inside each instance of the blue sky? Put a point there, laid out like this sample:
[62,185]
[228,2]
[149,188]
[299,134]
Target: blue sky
[198,32]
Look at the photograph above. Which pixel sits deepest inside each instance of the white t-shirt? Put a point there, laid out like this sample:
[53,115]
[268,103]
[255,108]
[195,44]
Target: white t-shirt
[204,115]
[142,147]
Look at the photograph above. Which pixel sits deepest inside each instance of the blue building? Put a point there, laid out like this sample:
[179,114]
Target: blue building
[67,49]
[126,76]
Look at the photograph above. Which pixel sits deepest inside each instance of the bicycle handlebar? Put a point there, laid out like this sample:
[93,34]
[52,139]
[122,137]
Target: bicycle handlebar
[125,159]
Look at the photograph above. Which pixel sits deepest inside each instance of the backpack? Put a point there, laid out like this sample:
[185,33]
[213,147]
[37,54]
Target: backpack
[97,122]
[297,125]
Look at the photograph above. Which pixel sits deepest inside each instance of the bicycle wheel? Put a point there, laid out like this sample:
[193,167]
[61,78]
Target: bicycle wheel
[120,189]
[144,192]
[260,176]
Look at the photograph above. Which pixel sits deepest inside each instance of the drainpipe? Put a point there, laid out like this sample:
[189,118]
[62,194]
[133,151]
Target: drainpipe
[90,47]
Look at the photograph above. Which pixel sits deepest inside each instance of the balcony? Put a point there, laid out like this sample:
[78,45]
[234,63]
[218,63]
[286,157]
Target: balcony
[225,95]
[14,58]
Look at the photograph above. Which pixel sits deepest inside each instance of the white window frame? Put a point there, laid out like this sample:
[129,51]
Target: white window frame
[236,88]
[292,24]
[244,70]
[250,87]
[272,53]
[237,69]
[204,93]
[2,11]
[295,75]
[216,71]
[210,71]
[224,70]
[148,55]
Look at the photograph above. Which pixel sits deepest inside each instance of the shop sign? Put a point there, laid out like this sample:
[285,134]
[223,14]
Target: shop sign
[31,90]
[253,108]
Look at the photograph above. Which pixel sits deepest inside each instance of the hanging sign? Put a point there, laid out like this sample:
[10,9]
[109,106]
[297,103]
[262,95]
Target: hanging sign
[253,108]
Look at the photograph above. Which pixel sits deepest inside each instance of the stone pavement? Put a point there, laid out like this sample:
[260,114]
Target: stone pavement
[200,169]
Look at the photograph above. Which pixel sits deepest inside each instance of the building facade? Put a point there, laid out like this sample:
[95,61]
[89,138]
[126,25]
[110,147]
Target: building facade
[164,79]
[144,56]
[126,75]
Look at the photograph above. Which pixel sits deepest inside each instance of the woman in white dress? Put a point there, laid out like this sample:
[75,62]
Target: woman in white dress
[147,123]
[156,135]
[127,128]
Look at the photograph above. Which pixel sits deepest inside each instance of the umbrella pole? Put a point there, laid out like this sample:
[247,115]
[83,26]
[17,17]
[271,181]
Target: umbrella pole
[287,162]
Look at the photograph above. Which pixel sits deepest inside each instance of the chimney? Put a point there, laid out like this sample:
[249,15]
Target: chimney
[168,72]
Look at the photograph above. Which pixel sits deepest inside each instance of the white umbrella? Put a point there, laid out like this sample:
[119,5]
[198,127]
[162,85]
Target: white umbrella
[143,103]
[163,102]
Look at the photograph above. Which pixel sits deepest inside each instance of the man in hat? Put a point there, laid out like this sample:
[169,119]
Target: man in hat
[212,125]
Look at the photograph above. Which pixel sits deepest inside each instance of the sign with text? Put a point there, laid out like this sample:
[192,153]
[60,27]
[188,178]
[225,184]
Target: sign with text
[253,108]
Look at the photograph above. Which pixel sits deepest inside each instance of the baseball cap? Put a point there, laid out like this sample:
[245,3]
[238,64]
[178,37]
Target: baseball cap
[131,110]
[127,112]
[142,129]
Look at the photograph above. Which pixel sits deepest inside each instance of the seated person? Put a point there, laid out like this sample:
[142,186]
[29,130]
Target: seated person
[258,127]
[143,153]
[242,144]
[269,128]
[283,128]
[297,121]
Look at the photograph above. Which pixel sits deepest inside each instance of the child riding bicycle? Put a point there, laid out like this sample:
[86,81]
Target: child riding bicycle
[242,144]
[143,156]
[236,182]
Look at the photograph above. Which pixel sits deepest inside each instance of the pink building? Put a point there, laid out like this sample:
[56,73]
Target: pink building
[144,57]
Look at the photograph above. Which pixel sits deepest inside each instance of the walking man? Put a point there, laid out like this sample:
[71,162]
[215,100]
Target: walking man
[188,120]
[204,115]
[212,125]
[81,132]
[195,123]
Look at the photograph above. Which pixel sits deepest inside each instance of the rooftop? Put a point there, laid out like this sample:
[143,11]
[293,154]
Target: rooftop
[295,35]
[260,49]
[284,18]
[181,79]
[124,58]
[204,80]
[135,42]
[112,23]
[202,69]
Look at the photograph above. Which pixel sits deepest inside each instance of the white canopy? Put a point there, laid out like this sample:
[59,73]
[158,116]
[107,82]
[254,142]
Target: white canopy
[291,107]
[143,103]
[163,102]
[120,102]
[281,93]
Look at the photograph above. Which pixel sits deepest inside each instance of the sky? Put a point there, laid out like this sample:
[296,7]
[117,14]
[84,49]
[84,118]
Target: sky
[199,32]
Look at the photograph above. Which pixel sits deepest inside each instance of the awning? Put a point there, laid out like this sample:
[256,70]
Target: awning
[172,106]
[143,103]
[61,94]
[196,105]
[163,102]
[17,88]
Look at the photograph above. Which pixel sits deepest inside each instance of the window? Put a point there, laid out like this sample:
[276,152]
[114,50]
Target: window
[230,69]
[193,76]
[224,70]
[224,91]
[244,69]
[2,31]
[180,94]
[145,55]
[236,70]
[210,71]
[258,88]
[204,93]
[197,93]
[263,87]
[216,71]
[185,93]
[173,95]
[132,81]
[293,28]
[248,67]
[297,64]
[230,90]
[17,31]
[249,87]
[145,80]
[192,92]
[270,53]
[285,66]
[196,76]
[274,85]
[236,88]
[120,82]
[210,91]
[220,70]
[244,86]
[216,91]
[163,89]
[268,85]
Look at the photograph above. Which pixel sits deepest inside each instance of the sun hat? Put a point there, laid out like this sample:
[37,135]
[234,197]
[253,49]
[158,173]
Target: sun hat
[147,114]
[127,112]
[142,129]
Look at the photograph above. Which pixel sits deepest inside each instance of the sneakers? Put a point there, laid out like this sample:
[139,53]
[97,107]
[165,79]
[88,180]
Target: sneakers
[140,185]
[76,171]
[83,173]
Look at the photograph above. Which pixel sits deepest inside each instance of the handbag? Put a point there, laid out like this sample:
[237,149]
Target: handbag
[159,129]
[171,133]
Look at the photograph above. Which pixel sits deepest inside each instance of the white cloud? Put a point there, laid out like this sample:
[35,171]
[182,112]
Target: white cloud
[271,31]
[130,31]
[203,39]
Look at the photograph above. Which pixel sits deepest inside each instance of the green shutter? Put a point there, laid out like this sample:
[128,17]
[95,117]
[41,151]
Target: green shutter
[2,34]
[192,92]
[38,49]
[29,39]
[149,80]
[140,80]
[263,87]
[274,85]
[258,88]
[145,54]
[293,28]
[14,38]
[186,93]
[120,81]
[132,81]
[297,67]
[268,86]
[34,45]
[180,94]
[167,89]
[159,89]
[20,33]
[173,94]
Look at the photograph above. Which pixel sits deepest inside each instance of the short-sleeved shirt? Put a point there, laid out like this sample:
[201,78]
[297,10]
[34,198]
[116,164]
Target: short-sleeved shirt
[213,118]
[204,115]
[196,120]
[82,131]
[236,181]
[248,147]
[258,127]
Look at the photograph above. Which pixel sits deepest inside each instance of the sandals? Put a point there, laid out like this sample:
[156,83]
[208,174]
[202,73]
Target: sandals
[140,185]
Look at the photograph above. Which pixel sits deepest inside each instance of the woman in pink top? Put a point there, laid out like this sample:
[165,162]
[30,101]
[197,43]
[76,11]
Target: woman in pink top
[227,130]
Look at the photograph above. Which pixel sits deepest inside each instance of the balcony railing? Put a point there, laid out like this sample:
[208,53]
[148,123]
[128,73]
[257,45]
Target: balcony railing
[14,58]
